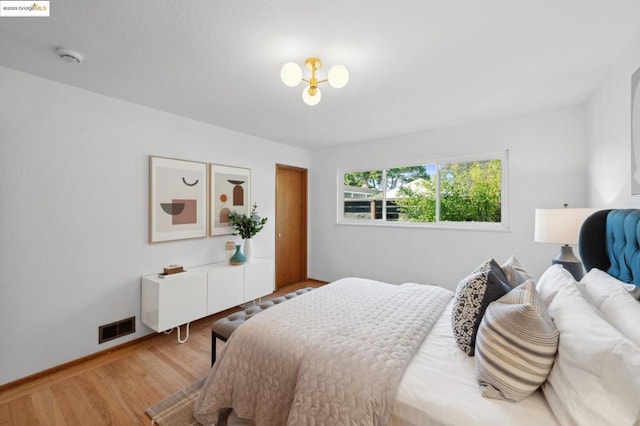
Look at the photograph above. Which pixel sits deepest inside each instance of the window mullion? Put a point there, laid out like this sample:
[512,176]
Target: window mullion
[384,195]
[437,192]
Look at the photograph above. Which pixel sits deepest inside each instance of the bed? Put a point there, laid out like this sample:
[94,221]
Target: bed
[504,349]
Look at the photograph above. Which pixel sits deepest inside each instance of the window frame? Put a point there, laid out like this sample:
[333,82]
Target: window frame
[503,225]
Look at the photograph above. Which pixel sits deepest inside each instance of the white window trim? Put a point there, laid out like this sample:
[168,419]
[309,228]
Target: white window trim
[503,156]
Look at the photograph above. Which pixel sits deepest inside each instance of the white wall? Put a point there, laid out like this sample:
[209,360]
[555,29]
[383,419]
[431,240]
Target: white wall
[74,213]
[609,134]
[547,167]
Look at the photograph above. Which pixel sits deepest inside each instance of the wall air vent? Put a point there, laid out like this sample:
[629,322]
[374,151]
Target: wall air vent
[116,329]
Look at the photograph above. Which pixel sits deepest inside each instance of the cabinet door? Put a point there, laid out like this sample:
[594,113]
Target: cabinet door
[181,300]
[258,278]
[224,288]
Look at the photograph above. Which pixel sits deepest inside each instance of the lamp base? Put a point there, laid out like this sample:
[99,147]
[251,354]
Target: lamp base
[570,262]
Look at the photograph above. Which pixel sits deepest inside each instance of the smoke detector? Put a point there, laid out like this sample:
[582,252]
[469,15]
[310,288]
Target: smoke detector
[69,55]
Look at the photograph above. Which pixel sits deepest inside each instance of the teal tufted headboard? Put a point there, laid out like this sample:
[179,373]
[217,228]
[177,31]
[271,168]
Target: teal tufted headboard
[610,241]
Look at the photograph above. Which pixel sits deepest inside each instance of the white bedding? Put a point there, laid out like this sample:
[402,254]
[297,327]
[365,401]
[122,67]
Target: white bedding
[439,387]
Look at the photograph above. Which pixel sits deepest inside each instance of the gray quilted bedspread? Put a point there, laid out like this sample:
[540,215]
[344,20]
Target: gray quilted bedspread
[334,356]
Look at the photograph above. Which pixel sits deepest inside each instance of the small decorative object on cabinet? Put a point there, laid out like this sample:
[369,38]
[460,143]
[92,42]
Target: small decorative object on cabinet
[173,269]
[238,258]
[206,290]
[230,249]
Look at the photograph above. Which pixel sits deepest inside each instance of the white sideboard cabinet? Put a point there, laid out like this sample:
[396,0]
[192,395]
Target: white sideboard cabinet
[225,286]
[167,303]
[255,285]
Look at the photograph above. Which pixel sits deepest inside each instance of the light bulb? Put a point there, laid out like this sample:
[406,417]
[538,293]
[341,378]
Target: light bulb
[338,76]
[311,100]
[291,74]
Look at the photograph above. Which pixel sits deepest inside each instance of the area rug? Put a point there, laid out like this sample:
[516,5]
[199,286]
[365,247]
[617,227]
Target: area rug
[178,408]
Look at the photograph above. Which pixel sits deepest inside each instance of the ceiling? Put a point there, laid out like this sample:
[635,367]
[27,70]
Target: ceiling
[414,65]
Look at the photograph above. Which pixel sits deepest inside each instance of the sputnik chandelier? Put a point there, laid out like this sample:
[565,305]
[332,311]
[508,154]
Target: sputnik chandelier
[291,75]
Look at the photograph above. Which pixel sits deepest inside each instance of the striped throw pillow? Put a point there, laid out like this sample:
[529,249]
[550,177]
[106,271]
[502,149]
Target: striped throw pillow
[516,345]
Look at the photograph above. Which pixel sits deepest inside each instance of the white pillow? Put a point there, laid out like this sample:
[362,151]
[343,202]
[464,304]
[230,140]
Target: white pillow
[623,312]
[596,375]
[599,286]
[553,280]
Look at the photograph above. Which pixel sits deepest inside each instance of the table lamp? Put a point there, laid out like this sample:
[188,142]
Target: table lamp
[562,226]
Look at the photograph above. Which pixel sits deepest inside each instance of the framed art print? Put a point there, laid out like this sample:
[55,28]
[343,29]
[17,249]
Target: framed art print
[230,192]
[178,192]
[635,133]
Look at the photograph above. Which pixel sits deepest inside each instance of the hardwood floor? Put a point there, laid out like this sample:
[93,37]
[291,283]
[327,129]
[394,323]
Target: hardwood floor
[115,388]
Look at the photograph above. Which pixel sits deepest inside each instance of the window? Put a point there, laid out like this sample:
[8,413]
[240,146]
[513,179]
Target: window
[460,192]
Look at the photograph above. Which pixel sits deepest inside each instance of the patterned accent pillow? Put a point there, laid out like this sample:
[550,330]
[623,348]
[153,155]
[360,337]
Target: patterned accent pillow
[515,272]
[474,293]
[516,345]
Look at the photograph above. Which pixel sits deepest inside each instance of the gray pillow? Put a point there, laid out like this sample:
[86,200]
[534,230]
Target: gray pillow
[473,294]
[516,345]
[515,272]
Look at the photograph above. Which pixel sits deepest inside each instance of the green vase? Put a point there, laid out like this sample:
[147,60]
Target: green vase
[238,258]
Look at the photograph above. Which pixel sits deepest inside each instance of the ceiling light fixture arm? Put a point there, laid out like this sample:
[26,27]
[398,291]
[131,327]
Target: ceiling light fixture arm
[319,81]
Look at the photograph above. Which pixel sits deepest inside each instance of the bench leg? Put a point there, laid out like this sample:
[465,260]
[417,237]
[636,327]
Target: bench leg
[213,348]
[215,337]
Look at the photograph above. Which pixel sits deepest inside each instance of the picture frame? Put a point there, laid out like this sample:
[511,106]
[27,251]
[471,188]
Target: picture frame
[178,191]
[635,133]
[230,191]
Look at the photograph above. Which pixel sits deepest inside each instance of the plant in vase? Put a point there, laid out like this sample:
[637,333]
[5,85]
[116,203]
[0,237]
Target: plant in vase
[247,226]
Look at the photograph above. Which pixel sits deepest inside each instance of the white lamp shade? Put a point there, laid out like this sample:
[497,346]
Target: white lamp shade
[560,226]
[338,76]
[311,100]
[291,74]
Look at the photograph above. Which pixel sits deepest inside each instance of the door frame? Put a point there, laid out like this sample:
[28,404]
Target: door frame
[303,234]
